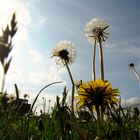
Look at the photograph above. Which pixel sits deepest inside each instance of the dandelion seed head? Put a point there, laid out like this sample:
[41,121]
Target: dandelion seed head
[96,30]
[131,65]
[64,52]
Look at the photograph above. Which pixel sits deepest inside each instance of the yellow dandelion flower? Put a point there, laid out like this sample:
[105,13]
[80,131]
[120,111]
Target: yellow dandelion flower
[96,94]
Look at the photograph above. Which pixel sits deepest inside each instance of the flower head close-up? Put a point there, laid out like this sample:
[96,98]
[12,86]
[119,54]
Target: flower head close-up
[96,30]
[64,52]
[10,97]
[95,94]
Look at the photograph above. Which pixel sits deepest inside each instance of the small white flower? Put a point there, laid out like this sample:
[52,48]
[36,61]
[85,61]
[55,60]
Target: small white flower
[64,52]
[10,97]
[95,30]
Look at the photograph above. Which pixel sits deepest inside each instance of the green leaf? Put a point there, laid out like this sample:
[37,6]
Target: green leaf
[6,34]
[6,67]
[40,92]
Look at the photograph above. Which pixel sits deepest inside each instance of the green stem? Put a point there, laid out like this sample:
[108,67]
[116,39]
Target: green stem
[93,66]
[99,121]
[137,74]
[44,107]
[3,82]
[101,61]
[49,108]
[73,86]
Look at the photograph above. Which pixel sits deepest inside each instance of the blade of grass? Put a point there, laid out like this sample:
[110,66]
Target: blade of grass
[40,92]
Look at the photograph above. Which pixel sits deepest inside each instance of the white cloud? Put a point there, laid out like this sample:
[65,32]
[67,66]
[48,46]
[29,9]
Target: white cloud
[21,39]
[37,77]
[14,74]
[41,75]
[8,7]
[125,48]
[42,21]
[54,74]
[131,101]
[36,56]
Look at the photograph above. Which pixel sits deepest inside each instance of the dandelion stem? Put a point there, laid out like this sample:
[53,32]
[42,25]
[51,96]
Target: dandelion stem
[3,82]
[137,75]
[49,107]
[73,87]
[44,106]
[99,120]
[93,66]
[101,61]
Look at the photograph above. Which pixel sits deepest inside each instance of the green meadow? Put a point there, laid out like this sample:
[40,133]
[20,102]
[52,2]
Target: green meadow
[95,111]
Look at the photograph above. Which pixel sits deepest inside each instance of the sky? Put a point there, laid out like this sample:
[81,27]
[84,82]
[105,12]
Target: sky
[43,23]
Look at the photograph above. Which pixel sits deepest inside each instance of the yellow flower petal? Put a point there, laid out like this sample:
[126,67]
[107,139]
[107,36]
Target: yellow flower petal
[97,93]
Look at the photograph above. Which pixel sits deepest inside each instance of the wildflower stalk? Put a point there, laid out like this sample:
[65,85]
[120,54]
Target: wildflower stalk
[95,30]
[101,61]
[93,66]
[73,86]
[3,82]
[44,106]
[99,121]
[49,107]
[136,73]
